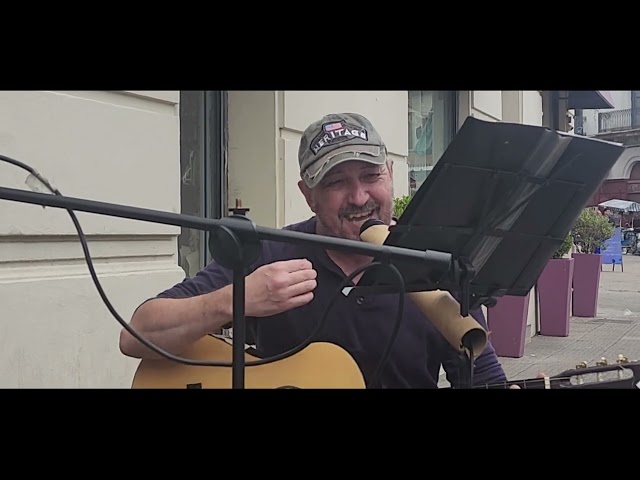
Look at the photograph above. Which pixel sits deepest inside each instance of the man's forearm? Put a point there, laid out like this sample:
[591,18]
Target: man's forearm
[173,324]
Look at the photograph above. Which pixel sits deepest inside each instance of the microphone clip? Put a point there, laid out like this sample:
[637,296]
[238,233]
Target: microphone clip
[465,273]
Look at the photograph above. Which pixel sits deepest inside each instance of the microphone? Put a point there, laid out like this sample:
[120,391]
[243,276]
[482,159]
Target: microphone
[438,306]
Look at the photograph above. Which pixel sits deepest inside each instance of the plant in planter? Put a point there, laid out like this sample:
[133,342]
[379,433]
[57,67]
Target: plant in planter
[591,231]
[554,292]
[399,204]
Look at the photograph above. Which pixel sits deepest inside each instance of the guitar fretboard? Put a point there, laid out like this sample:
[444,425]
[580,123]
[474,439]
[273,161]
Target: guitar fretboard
[532,383]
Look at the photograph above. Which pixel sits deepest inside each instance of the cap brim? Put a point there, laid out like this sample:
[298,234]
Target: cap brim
[313,175]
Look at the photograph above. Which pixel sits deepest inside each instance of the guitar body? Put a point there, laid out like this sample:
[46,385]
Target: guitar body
[319,365]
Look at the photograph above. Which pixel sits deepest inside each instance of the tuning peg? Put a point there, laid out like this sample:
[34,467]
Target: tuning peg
[622,359]
[579,366]
[603,362]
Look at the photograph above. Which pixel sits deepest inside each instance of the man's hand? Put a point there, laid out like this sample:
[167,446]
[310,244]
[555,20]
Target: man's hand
[540,375]
[279,286]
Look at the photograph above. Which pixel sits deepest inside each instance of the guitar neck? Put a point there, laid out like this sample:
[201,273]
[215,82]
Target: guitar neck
[525,384]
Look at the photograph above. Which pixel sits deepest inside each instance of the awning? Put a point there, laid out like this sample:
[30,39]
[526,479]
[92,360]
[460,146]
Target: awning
[590,99]
[621,205]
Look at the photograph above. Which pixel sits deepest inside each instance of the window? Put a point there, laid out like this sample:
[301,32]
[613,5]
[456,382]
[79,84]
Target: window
[432,125]
[202,170]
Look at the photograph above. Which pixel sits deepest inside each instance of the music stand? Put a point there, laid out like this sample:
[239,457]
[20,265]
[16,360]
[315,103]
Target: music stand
[502,199]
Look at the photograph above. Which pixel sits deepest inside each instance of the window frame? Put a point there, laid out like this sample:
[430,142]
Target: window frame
[452,106]
[207,156]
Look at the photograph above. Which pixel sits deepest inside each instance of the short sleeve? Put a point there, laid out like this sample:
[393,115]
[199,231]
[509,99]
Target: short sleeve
[212,277]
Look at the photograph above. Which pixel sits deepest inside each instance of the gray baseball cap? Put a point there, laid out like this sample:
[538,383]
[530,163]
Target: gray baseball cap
[337,138]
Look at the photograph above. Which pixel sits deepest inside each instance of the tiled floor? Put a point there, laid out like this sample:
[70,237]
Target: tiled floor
[616,330]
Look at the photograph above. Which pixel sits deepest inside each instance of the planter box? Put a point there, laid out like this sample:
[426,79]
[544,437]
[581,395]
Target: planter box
[586,284]
[507,322]
[554,293]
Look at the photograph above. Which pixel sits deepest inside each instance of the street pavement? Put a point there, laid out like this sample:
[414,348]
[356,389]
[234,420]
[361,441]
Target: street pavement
[615,330]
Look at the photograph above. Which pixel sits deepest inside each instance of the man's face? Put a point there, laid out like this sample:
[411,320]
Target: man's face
[349,195]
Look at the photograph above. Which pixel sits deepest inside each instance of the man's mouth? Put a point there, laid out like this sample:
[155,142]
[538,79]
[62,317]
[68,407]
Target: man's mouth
[360,217]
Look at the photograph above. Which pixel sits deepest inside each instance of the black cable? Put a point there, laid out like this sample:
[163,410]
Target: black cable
[345,283]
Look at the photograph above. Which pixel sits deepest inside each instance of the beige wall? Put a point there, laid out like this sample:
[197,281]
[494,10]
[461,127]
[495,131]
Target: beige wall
[253,154]
[109,146]
[506,106]
[622,168]
[487,104]
[532,107]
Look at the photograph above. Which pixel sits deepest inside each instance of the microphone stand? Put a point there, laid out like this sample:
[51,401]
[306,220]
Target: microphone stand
[235,244]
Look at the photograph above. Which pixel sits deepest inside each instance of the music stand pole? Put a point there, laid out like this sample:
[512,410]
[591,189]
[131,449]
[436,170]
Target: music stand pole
[235,243]
[239,326]
[236,253]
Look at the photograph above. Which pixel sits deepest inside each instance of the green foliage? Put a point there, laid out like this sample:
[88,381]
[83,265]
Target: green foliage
[565,247]
[592,229]
[399,204]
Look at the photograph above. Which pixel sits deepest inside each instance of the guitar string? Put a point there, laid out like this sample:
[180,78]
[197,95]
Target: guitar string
[187,361]
[535,381]
[525,382]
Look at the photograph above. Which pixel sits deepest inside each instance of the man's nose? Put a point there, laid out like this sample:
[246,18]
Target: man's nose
[359,194]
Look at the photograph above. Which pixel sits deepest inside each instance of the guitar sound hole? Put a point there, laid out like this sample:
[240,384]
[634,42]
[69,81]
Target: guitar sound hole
[288,387]
[194,385]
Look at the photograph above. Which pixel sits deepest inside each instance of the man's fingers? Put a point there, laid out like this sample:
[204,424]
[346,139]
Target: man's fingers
[301,288]
[296,264]
[302,276]
[300,300]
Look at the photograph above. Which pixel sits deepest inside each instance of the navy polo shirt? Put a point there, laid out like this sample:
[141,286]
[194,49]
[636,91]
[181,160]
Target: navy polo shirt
[360,325]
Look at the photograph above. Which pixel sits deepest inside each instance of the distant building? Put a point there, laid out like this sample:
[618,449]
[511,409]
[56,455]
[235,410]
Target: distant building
[621,123]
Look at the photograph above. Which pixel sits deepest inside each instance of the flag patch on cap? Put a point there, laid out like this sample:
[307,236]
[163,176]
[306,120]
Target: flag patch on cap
[332,126]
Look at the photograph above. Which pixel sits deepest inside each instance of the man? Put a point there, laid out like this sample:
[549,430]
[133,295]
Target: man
[346,179]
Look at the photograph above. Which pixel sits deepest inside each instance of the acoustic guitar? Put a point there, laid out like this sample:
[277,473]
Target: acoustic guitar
[325,365]
[319,365]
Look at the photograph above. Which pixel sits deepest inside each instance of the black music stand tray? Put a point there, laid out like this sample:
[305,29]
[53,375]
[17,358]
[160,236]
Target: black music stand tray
[501,200]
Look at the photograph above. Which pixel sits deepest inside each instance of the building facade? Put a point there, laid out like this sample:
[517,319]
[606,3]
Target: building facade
[619,123]
[192,152]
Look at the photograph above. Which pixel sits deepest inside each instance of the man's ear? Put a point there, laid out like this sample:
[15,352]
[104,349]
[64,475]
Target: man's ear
[306,191]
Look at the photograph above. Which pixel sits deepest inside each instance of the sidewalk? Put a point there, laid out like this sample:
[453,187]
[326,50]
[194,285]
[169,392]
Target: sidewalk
[616,330]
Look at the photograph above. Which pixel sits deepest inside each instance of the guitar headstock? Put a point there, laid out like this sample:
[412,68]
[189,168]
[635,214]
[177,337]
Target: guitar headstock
[623,373]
